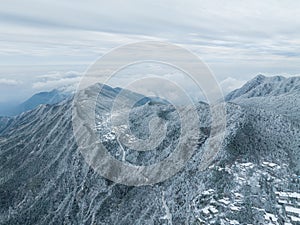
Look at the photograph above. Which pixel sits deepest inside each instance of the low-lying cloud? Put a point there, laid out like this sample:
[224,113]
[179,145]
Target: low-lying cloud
[67,81]
[10,82]
[230,84]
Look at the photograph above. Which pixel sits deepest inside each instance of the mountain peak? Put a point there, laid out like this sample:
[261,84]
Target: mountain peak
[262,85]
[259,77]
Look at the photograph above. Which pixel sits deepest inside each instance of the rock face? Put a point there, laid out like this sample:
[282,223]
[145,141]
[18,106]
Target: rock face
[253,180]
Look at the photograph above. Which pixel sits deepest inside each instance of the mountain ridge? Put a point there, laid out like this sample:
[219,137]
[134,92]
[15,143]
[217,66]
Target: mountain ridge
[44,97]
[262,85]
[45,180]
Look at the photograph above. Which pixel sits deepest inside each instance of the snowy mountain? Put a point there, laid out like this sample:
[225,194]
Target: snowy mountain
[262,86]
[275,94]
[4,121]
[254,178]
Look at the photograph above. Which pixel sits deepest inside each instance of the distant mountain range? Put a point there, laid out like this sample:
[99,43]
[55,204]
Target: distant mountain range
[254,178]
[56,96]
[51,97]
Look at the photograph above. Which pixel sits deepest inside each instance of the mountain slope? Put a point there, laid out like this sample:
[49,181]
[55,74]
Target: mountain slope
[274,94]
[262,86]
[45,180]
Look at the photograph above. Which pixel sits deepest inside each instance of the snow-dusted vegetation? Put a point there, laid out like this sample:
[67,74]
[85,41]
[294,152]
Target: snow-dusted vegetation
[254,178]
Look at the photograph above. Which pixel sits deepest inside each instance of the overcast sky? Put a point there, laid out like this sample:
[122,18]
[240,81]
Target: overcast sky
[46,44]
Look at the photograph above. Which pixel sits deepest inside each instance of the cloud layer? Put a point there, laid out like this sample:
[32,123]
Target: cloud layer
[237,39]
[10,82]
